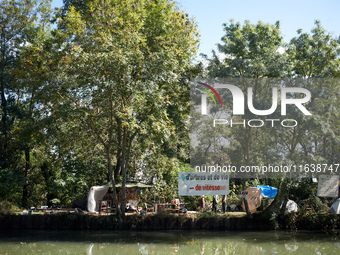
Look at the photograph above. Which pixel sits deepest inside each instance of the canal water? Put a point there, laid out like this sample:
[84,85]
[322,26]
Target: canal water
[172,242]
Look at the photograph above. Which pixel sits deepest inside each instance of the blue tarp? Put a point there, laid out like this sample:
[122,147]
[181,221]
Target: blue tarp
[268,191]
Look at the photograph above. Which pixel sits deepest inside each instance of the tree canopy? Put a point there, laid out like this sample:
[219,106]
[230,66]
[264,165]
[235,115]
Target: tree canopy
[114,76]
[258,51]
[99,91]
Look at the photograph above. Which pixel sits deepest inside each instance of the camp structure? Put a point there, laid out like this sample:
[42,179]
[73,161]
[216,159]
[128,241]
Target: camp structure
[255,195]
[99,195]
[253,199]
[335,208]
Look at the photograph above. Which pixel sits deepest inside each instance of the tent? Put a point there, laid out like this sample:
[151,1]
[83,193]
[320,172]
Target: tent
[97,193]
[268,191]
[335,208]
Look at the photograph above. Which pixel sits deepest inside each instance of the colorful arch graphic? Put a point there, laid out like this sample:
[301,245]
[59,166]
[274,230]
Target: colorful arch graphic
[213,90]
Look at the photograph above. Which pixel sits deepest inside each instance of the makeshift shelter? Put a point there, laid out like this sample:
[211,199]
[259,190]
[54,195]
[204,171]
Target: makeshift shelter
[335,208]
[255,195]
[267,191]
[253,199]
[97,193]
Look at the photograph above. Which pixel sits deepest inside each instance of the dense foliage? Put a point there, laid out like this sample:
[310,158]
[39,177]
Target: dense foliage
[258,52]
[99,91]
[94,92]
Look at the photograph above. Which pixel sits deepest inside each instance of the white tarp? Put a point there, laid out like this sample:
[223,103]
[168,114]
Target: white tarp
[291,206]
[96,193]
[335,208]
[203,183]
[328,186]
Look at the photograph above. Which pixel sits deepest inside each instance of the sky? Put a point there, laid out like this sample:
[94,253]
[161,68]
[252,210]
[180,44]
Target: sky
[292,14]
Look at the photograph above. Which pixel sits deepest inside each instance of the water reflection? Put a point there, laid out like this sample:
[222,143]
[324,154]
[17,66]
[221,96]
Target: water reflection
[176,242]
[89,249]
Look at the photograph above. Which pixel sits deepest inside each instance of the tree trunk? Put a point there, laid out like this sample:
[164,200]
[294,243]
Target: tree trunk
[246,206]
[291,148]
[117,171]
[46,175]
[284,205]
[118,168]
[247,160]
[113,181]
[250,216]
[276,199]
[123,171]
[24,201]
[4,128]
[108,152]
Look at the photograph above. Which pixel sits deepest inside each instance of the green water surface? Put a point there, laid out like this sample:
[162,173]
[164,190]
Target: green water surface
[174,242]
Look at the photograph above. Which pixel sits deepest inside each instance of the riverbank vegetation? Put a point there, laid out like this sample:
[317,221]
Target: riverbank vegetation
[99,91]
[158,222]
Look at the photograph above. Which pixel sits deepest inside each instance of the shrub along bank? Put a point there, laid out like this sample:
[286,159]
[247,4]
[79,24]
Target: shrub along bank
[310,221]
[74,221]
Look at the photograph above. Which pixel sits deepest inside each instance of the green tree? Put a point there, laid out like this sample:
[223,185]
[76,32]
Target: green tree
[250,51]
[24,27]
[123,67]
[315,54]
[30,76]
[16,18]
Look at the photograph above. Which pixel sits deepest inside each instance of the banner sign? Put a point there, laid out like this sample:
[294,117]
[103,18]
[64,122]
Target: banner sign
[198,184]
[328,186]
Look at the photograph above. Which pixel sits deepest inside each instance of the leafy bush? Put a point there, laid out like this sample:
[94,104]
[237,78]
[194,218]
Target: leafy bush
[271,217]
[317,204]
[7,207]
